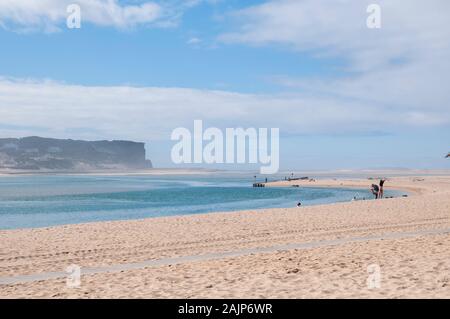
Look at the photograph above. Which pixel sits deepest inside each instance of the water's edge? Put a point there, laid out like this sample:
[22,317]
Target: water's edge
[46,201]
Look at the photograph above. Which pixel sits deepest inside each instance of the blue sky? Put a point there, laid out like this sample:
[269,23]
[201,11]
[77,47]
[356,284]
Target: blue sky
[343,96]
[156,57]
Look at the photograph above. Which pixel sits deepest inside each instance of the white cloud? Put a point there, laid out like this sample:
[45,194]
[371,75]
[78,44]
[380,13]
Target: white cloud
[194,40]
[396,78]
[402,67]
[60,110]
[50,15]
[338,28]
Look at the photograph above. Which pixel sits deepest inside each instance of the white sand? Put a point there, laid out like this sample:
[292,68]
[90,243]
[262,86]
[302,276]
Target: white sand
[410,267]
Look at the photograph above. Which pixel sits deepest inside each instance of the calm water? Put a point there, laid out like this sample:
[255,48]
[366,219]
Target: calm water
[40,201]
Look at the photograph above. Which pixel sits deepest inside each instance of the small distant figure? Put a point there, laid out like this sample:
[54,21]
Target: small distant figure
[375,190]
[354,199]
[299,204]
[266,179]
[381,192]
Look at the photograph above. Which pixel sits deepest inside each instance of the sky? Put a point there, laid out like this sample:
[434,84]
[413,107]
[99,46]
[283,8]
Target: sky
[343,95]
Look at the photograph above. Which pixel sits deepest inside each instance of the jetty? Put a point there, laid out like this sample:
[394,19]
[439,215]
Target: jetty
[259,184]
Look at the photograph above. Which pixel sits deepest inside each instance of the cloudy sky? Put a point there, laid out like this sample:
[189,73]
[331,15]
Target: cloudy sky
[343,95]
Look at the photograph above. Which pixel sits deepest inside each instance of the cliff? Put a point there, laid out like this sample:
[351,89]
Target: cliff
[36,153]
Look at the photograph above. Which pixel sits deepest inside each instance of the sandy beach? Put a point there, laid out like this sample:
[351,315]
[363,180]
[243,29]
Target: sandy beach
[323,251]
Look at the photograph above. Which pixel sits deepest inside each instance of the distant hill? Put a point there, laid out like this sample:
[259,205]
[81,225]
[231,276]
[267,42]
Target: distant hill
[37,153]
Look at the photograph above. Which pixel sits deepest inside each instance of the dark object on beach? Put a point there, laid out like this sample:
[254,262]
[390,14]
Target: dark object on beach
[259,185]
[295,185]
[381,191]
[448,155]
[375,190]
[405,196]
[299,204]
[298,179]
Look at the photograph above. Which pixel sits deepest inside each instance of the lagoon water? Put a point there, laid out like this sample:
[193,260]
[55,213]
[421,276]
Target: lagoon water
[41,201]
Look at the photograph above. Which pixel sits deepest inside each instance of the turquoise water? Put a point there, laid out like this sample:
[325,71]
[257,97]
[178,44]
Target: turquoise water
[41,201]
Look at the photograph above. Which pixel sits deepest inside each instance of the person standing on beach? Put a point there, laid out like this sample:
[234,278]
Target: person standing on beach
[375,190]
[381,192]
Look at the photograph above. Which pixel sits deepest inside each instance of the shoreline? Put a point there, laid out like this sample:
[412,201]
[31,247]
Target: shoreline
[321,183]
[149,172]
[346,183]
[340,174]
[256,210]
[420,263]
